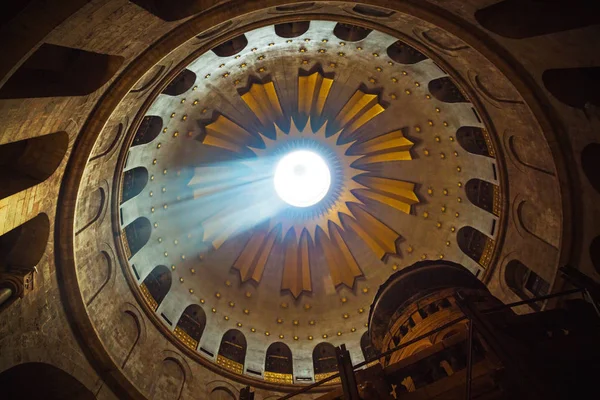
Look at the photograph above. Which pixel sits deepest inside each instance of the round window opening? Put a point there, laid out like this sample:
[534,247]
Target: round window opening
[302,178]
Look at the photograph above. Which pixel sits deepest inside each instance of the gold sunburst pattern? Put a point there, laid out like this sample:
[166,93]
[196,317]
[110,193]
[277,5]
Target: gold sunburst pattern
[304,234]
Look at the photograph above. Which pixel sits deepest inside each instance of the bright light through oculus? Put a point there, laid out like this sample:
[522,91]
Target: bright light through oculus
[302,178]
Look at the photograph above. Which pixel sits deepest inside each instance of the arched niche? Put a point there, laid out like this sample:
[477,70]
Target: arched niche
[369,11]
[222,393]
[156,286]
[36,380]
[174,10]
[134,181]
[484,195]
[524,282]
[350,33]
[444,89]
[474,140]
[520,19]
[137,235]
[231,47]
[29,162]
[148,130]
[575,87]
[590,163]
[169,380]
[368,350]
[403,53]
[22,248]
[475,244]
[595,253]
[191,325]
[58,71]
[324,360]
[232,351]
[292,29]
[279,361]
[181,84]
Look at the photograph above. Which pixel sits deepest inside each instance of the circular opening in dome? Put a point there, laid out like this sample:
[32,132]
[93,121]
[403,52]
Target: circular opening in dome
[302,178]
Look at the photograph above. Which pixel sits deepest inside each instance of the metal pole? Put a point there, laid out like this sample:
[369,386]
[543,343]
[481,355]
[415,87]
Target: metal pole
[469,360]
[534,300]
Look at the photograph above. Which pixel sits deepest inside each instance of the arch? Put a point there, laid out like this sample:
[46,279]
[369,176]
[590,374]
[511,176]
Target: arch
[134,181]
[590,163]
[444,89]
[137,235]
[595,253]
[350,33]
[520,19]
[22,248]
[372,11]
[89,209]
[474,244]
[156,285]
[174,10]
[169,380]
[96,278]
[58,71]
[29,162]
[181,84]
[190,326]
[368,350]
[37,380]
[324,359]
[279,359]
[575,87]
[148,130]
[484,195]
[292,29]
[403,53]
[524,282]
[474,140]
[231,47]
[222,393]
[232,351]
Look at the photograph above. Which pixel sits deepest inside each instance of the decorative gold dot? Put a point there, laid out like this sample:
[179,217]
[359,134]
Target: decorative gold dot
[346,316]
[214,310]
[425,214]
[260,58]
[280,336]
[252,329]
[248,294]
[341,54]
[182,101]
[404,73]
[165,206]
[361,310]
[453,229]
[231,304]
[310,337]
[322,51]
[394,267]
[324,336]
[437,110]
[428,97]
[311,322]
[261,69]
[459,184]
[151,209]
[239,324]
[365,290]
[430,123]
[159,240]
[307,306]
[324,40]
[459,199]
[218,295]
[390,63]
[448,243]
[181,279]
[417,84]
[423,256]
[206,76]
[192,270]
[407,91]
[192,291]
[279,321]
[195,87]
[359,48]
[296,338]
[378,69]
[175,134]
[237,57]
[451,138]
[352,329]
[305,62]
[267,333]
[202,301]
[296,322]
[236,82]
[342,43]
[395,80]
[339,333]
[426,152]
[253,49]
[366,324]
[307,40]
[393,96]
[372,80]
[271,44]
[204,110]
[409,249]
[458,169]
[302,50]
[456,153]
[445,123]
[442,156]
[430,191]
[151,177]
[246,311]
[439,225]
[443,208]
[457,214]
[172,115]
[445,191]
[417,128]
[221,65]
[243,65]
[332,65]
[375,54]
[183,256]
[156,224]
[190,133]
[226,318]
[164,171]
[344,299]
[228,283]
[173,267]
[154,161]
[438,139]
[441,256]
[289,41]
[226,74]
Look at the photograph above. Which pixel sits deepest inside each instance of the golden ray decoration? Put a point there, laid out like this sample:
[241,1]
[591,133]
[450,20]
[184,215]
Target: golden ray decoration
[344,208]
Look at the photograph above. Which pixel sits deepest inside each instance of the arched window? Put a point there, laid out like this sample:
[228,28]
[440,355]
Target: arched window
[137,235]
[148,130]
[484,195]
[279,362]
[231,47]
[292,29]
[474,140]
[50,383]
[403,53]
[21,249]
[475,244]
[519,19]
[191,325]
[174,10]
[134,181]
[524,282]
[28,162]
[156,286]
[444,89]
[350,33]
[324,360]
[595,253]
[181,84]
[369,352]
[576,87]
[57,71]
[232,351]
[590,163]
[372,11]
